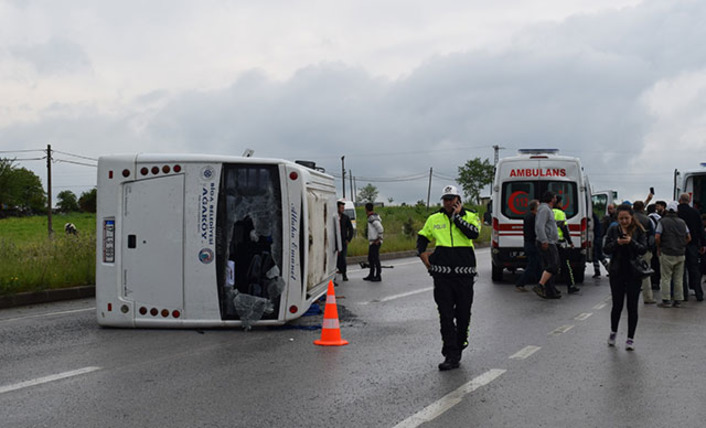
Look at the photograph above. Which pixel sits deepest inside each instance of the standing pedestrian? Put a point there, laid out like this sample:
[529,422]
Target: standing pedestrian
[452,267]
[547,238]
[649,227]
[671,237]
[625,243]
[346,236]
[563,246]
[598,256]
[375,231]
[533,270]
[654,214]
[696,247]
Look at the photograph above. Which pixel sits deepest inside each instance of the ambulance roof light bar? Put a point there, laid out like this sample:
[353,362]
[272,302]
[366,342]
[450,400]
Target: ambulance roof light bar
[538,151]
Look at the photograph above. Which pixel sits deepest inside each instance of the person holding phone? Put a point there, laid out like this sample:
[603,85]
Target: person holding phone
[625,242]
[452,266]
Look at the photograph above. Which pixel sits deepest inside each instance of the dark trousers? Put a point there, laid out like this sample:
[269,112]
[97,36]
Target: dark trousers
[550,263]
[566,272]
[621,286]
[374,260]
[454,297]
[533,270]
[341,261]
[692,272]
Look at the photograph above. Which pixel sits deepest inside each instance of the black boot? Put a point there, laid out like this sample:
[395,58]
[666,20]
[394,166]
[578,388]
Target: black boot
[451,362]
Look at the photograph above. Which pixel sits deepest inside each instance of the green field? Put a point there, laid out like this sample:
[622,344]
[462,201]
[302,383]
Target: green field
[30,261]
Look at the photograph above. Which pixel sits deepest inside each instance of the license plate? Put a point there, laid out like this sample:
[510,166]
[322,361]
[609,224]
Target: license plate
[109,240]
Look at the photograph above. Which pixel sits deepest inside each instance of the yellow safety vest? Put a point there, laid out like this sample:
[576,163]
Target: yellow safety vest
[440,228]
[560,217]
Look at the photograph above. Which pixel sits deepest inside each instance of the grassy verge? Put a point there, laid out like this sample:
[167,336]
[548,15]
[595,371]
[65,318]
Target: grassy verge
[30,261]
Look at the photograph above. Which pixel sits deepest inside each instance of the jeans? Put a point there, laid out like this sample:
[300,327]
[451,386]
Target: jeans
[374,260]
[533,270]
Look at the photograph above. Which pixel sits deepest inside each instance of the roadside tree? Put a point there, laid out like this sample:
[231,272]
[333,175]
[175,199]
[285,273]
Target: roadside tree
[473,176]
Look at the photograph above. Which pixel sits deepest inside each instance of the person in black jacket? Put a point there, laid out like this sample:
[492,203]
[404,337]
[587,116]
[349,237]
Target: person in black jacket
[692,272]
[625,242]
[346,237]
[533,269]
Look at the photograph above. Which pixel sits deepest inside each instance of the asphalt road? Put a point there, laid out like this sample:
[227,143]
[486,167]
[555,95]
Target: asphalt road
[531,363]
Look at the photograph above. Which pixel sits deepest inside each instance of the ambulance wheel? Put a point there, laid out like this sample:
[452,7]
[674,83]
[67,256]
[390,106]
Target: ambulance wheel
[497,274]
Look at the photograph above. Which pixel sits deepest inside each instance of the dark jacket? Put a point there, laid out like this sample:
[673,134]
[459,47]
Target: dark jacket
[692,218]
[346,230]
[621,255]
[528,227]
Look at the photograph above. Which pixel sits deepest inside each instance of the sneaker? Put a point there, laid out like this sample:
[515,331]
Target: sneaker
[539,291]
[630,345]
[611,339]
[520,288]
[677,304]
[665,304]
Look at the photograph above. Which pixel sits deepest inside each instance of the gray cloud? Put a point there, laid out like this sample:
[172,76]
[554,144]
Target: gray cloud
[55,57]
[578,86]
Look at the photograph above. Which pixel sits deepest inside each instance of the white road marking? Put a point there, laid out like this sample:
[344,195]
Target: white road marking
[49,314]
[398,296]
[600,306]
[562,329]
[46,379]
[446,402]
[584,316]
[525,352]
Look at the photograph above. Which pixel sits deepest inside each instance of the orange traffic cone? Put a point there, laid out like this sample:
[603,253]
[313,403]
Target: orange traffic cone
[331,330]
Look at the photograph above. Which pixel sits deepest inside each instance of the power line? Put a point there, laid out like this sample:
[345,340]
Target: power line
[21,151]
[75,163]
[74,155]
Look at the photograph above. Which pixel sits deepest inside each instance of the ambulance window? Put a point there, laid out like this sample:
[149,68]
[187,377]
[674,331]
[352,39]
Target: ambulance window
[515,198]
[569,196]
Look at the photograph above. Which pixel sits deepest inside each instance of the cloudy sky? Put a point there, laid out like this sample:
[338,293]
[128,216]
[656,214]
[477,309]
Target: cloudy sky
[397,87]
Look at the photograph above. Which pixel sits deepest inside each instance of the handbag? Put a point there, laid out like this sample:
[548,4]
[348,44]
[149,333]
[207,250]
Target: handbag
[641,268]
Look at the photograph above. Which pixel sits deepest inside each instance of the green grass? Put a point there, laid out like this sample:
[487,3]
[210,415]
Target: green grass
[401,226]
[30,261]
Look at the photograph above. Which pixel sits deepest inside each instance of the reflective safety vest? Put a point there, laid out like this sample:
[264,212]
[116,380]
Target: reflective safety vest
[440,228]
[560,217]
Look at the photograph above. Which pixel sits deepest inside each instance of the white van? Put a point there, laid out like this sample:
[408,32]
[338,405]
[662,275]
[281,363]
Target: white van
[692,182]
[601,199]
[527,176]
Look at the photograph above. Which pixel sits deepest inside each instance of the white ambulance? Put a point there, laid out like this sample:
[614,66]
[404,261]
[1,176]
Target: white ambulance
[527,176]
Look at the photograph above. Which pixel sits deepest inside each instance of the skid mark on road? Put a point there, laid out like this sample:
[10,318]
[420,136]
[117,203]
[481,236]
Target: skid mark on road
[446,402]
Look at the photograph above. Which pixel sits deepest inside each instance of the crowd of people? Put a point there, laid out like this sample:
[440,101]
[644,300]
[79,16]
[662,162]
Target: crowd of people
[660,246]
[643,247]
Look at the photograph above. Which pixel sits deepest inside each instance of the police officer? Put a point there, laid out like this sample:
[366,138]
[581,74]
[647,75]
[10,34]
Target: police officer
[452,266]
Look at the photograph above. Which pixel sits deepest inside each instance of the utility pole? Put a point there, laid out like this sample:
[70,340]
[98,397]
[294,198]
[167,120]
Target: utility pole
[431,169]
[49,202]
[350,181]
[343,176]
[497,149]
